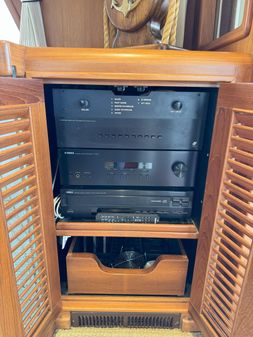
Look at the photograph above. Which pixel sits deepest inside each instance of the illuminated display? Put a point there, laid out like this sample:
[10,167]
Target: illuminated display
[123,165]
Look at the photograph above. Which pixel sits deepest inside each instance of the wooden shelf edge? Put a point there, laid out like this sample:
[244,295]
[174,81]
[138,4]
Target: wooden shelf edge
[104,303]
[160,230]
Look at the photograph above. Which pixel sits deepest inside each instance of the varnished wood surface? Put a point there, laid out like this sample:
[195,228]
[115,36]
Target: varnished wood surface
[87,275]
[159,66]
[206,24]
[188,324]
[16,94]
[63,320]
[44,181]
[160,304]
[236,103]
[10,322]
[183,231]
[11,54]
[20,91]
[244,45]
[77,23]
[214,175]
[206,28]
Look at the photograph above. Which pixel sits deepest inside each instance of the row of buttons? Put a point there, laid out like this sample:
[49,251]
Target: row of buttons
[120,136]
[180,203]
[126,176]
[128,219]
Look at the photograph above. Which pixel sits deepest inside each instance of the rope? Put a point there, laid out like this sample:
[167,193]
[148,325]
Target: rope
[106,28]
[170,27]
[109,30]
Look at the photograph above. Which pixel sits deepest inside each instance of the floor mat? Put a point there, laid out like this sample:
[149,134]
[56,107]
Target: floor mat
[122,332]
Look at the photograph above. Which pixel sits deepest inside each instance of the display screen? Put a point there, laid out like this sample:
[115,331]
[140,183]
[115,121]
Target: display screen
[123,165]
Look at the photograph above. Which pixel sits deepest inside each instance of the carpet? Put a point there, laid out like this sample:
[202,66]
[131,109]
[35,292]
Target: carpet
[122,332]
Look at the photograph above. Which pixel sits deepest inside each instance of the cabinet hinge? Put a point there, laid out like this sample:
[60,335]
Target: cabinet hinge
[14,71]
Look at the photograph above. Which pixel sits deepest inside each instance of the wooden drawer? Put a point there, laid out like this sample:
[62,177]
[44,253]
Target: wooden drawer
[86,274]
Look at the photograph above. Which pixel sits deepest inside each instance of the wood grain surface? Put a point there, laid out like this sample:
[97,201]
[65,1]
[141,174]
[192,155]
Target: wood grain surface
[77,23]
[20,91]
[230,259]
[183,231]
[107,303]
[137,65]
[159,67]
[214,175]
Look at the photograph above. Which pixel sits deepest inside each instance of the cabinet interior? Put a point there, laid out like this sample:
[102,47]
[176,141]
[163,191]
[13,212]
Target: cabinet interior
[107,248]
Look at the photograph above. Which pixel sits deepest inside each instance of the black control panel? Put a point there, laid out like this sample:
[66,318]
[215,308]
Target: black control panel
[128,167]
[87,203]
[127,217]
[130,118]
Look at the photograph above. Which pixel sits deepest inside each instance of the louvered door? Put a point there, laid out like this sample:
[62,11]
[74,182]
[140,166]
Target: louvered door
[222,292]
[29,279]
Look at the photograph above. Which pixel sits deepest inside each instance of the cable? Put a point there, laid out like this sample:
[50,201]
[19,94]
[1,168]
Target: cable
[57,204]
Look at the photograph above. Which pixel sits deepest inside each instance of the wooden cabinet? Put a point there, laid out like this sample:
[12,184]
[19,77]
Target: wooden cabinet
[30,301]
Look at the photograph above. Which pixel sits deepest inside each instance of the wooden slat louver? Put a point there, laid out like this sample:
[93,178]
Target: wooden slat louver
[20,206]
[233,230]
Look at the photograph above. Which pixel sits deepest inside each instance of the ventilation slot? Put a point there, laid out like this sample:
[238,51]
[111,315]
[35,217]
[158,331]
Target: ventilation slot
[128,320]
[233,231]
[20,203]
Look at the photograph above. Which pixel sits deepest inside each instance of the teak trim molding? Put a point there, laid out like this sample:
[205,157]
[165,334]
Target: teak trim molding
[127,66]
[206,26]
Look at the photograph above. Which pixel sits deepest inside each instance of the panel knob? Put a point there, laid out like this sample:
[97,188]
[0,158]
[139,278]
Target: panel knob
[84,103]
[179,168]
[177,105]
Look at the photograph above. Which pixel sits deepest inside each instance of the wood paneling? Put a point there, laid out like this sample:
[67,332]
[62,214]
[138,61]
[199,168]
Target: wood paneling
[206,27]
[206,22]
[77,23]
[244,45]
[15,9]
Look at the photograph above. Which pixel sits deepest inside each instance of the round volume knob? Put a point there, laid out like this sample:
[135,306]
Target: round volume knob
[84,103]
[177,105]
[179,168]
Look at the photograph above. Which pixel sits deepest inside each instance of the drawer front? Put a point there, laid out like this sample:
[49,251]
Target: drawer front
[87,275]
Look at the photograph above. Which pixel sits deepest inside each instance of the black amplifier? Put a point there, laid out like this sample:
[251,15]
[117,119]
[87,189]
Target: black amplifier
[127,168]
[130,118]
[81,203]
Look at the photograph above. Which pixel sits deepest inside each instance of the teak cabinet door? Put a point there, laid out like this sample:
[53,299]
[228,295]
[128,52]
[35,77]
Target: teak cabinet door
[29,277]
[222,292]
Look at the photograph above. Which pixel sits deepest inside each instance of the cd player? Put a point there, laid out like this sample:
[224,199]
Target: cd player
[82,203]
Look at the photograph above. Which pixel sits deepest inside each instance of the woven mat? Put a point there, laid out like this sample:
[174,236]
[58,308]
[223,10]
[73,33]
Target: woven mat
[122,332]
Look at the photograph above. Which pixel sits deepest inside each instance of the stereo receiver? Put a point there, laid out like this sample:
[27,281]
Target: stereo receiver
[128,167]
[130,118]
